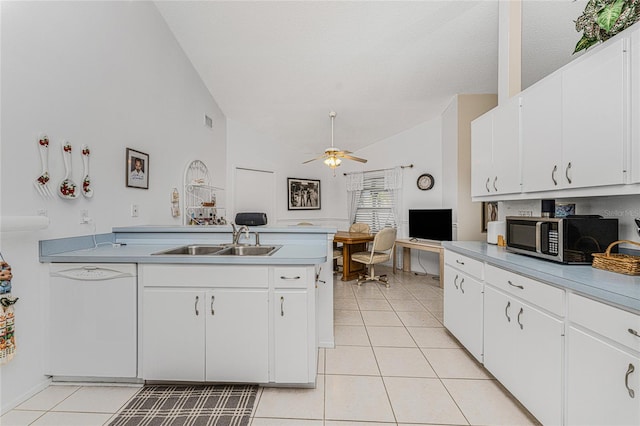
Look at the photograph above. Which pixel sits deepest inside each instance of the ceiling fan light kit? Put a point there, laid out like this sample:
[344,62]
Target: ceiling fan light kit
[333,156]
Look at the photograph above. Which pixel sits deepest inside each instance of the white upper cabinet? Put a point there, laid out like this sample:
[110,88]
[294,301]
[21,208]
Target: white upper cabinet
[594,118]
[495,151]
[481,155]
[506,147]
[635,104]
[542,135]
[579,129]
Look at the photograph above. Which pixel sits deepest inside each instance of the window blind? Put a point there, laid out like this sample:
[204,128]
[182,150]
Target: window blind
[375,204]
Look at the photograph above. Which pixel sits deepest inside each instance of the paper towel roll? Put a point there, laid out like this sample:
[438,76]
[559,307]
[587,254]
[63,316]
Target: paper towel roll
[23,223]
[495,228]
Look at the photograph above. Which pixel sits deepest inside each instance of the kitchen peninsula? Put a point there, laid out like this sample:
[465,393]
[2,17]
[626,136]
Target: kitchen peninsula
[214,318]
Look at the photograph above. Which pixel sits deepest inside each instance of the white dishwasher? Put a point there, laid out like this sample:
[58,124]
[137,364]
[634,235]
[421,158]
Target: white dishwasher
[92,320]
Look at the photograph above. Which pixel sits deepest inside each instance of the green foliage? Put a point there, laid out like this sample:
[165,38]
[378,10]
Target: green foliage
[602,19]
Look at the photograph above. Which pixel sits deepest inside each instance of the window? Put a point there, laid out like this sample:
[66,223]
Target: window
[375,205]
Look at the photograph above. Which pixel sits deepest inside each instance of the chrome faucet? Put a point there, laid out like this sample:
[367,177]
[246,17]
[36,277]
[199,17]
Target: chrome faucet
[238,232]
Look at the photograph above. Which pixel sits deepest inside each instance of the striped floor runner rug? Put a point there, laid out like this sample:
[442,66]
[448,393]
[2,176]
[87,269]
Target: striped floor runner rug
[220,405]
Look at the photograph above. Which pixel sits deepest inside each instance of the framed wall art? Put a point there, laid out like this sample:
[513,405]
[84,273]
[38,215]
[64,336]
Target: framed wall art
[137,169]
[489,213]
[303,194]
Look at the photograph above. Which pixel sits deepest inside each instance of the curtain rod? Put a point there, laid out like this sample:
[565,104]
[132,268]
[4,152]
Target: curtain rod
[410,166]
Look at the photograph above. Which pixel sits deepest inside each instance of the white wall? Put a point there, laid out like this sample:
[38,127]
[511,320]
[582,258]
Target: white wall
[420,146]
[111,75]
[249,149]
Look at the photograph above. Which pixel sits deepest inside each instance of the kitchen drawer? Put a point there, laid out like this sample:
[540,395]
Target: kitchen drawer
[465,264]
[181,275]
[532,291]
[606,320]
[294,277]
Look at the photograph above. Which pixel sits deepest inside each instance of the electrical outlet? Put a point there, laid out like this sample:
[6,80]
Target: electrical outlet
[134,210]
[84,216]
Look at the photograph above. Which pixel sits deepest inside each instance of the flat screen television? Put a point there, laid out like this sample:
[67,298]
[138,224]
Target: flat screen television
[432,224]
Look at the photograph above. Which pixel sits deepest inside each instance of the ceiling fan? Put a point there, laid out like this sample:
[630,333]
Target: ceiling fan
[333,156]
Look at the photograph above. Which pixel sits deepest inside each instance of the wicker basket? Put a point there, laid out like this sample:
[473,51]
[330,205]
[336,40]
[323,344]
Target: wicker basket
[620,263]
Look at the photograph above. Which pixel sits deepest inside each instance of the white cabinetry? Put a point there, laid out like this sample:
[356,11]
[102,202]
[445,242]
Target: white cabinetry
[542,135]
[237,335]
[603,364]
[173,335]
[194,332]
[523,343]
[294,345]
[212,323]
[575,129]
[463,290]
[495,150]
[594,117]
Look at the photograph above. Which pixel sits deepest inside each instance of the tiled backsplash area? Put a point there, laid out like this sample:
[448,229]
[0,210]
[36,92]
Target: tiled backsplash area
[624,208]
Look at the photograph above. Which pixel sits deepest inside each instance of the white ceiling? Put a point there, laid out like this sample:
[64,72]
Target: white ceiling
[384,66]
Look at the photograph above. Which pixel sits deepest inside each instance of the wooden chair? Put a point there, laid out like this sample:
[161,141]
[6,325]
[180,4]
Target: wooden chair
[381,251]
[360,227]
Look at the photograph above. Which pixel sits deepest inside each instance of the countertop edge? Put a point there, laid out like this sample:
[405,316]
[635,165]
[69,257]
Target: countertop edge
[591,290]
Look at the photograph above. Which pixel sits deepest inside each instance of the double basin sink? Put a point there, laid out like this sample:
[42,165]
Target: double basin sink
[219,250]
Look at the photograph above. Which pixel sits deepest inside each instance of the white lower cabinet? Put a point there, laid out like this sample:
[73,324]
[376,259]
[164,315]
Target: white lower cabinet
[237,335]
[228,324]
[290,326]
[523,350]
[173,342]
[463,309]
[603,364]
[603,386]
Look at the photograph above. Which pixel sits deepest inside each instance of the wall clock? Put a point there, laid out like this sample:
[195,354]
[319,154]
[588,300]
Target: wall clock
[425,181]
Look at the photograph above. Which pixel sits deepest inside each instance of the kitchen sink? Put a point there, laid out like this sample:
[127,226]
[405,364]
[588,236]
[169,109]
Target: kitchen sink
[219,250]
[192,250]
[248,251]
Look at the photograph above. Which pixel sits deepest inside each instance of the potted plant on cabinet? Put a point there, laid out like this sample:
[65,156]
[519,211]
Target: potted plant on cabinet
[602,19]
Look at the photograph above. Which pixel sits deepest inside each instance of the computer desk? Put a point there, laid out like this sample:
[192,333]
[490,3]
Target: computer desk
[407,245]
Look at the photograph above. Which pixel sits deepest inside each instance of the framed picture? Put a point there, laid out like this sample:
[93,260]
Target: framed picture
[303,194]
[489,213]
[137,169]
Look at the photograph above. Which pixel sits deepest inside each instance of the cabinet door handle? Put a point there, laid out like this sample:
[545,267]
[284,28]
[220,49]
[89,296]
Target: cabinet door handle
[459,262]
[495,179]
[282,277]
[632,331]
[515,285]
[519,315]
[455,281]
[553,175]
[195,306]
[566,172]
[630,370]
[213,298]
[461,289]
[506,311]
[281,306]
[486,184]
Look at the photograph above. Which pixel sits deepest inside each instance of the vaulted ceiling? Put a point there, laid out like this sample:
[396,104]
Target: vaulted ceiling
[384,66]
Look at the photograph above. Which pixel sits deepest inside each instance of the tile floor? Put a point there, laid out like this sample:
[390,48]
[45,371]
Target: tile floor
[393,364]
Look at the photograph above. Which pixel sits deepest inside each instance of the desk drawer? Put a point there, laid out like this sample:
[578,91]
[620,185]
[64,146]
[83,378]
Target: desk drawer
[473,267]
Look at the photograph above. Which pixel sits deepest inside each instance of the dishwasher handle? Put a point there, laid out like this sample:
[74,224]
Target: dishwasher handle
[91,273]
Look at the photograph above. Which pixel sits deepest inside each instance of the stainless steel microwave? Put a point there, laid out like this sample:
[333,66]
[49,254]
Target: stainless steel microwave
[566,240]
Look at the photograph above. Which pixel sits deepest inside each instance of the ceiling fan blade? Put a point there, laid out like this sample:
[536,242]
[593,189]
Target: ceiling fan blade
[314,159]
[351,157]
